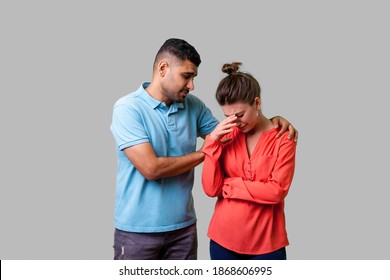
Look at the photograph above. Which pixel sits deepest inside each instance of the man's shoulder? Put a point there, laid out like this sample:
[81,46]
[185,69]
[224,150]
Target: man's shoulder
[194,101]
[131,99]
[193,98]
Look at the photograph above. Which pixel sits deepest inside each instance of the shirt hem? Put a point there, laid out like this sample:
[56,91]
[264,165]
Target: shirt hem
[251,252]
[154,228]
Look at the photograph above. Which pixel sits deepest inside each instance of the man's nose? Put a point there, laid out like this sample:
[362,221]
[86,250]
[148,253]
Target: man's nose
[191,85]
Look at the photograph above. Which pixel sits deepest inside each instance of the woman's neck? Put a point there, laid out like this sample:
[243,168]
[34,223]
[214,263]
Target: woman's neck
[263,124]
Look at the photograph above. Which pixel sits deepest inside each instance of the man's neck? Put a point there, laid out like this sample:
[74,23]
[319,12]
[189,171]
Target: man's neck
[157,93]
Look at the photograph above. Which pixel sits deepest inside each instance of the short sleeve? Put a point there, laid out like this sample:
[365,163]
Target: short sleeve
[127,127]
[206,121]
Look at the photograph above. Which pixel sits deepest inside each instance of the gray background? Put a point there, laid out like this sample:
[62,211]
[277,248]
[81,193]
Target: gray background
[323,65]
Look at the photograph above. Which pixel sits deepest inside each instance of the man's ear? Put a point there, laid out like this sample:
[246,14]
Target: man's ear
[162,67]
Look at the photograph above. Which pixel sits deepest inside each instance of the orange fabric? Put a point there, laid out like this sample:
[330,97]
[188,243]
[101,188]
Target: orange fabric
[249,212]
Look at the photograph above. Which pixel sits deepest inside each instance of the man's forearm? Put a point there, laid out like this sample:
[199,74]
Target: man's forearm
[173,166]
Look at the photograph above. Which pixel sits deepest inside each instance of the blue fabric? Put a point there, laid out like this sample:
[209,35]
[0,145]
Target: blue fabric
[217,252]
[165,204]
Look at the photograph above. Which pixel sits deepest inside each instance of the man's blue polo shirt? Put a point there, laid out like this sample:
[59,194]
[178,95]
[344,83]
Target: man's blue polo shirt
[165,204]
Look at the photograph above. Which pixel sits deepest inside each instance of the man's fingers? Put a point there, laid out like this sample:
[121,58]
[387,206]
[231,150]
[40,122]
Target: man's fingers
[279,134]
[283,129]
[293,133]
[296,136]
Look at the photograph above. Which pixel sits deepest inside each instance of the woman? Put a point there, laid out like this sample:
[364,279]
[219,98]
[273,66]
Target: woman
[250,171]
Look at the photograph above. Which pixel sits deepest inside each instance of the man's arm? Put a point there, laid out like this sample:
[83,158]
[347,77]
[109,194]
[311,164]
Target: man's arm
[144,158]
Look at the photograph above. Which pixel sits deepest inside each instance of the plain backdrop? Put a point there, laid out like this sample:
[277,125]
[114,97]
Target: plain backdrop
[323,65]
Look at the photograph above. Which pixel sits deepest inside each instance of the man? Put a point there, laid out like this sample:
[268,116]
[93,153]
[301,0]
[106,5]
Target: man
[155,129]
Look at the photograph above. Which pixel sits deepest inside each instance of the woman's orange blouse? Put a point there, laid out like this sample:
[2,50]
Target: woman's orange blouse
[249,212]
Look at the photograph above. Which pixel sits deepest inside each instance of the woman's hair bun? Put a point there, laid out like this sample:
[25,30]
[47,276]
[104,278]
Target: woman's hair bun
[230,68]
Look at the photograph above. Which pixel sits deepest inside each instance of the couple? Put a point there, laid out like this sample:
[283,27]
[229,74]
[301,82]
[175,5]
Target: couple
[248,165]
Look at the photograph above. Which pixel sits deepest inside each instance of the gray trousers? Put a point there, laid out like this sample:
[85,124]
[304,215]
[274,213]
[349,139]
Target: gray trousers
[181,244]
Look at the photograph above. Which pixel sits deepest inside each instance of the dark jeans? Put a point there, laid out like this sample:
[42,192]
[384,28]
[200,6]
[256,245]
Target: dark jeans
[181,244]
[217,252]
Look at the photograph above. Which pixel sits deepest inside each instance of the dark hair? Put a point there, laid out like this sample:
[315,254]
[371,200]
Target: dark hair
[237,86]
[180,49]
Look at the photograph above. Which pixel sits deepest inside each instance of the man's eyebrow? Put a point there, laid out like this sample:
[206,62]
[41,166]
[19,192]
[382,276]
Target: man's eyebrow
[191,73]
